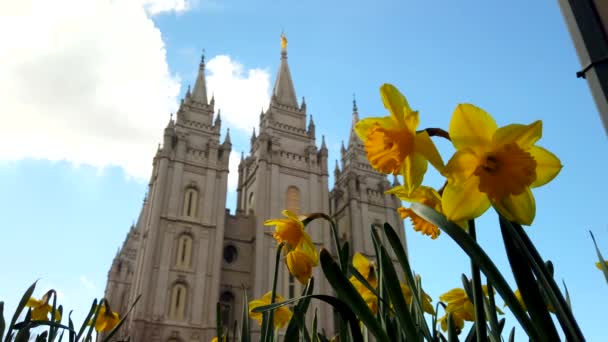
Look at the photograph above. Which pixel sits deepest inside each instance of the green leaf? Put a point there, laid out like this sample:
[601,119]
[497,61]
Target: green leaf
[477,254]
[527,285]
[20,306]
[72,335]
[478,295]
[410,280]
[343,308]
[452,334]
[345,256]
[314,328]
[2,322]
[349,295]
[245,330]
[87,320]
[297,320]
[512,335]
[543,271]
[94,321]
[391,280]
[567,295]
[600,257]
[219,328]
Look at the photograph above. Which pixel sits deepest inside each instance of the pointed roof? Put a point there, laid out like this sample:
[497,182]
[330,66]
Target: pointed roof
[199,94]
[284,92]
[353,138]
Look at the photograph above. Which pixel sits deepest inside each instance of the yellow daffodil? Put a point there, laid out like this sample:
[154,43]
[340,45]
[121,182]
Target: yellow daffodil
[426,299]
[216,340]
[367,269]
[425,195]
[460,306]
[106,320]
[392,143]
[494,166]
[370,299]
[41,309]
[289,230]
[302,254]
[300,265]
[281,315]
[599,265]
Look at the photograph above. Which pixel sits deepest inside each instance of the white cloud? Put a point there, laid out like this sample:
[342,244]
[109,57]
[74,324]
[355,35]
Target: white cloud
[233,175]
[159,6]
[240,94]
[85,81]
[87,283]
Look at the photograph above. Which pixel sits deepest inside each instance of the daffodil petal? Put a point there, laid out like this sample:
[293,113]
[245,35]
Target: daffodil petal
[33,302]
[361,264]
[547,165]
[413,170]
[519,208]
[411,120]
[461,166]
[471,127]
[308,247]
[523,135]
[363,126]
[395,102]
[274,222]
[290,214]
[464,201]
[425,146]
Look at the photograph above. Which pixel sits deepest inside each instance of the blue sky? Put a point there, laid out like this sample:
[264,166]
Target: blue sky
[84,115]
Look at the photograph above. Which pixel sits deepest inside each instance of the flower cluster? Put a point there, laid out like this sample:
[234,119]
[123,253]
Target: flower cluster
[302,255]
[492,166]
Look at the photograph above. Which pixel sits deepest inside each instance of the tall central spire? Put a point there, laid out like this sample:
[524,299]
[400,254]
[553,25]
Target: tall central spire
[284,92]
[200,87]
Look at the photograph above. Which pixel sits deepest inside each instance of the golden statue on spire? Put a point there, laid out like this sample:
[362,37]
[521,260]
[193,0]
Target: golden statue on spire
[283,41]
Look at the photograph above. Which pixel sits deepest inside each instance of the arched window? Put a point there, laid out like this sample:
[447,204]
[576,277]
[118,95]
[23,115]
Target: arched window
[184,251]
[177,308]
[293,199]
[226,305]
[190,202]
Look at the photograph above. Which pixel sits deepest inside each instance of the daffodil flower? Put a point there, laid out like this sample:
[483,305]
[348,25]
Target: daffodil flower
[281,315]
[424,195]
[599,265]
[106,319]
[300,265]
[392,143]
[460,306]
[367,270]
[302,255]
[426,299]
[41,309]
[494,166]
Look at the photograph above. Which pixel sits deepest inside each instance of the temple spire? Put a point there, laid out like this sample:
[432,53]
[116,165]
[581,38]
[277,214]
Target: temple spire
[355,111]
[199,94]
[284,92]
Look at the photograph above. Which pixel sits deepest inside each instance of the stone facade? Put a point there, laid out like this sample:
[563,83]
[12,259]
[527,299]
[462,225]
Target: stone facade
[187,252]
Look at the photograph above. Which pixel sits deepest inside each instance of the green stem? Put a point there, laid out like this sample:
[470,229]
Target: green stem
[334,230]
[480,317]
[268,330]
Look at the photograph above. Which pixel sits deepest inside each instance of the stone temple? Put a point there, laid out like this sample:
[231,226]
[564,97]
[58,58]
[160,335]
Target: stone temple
[187,252]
